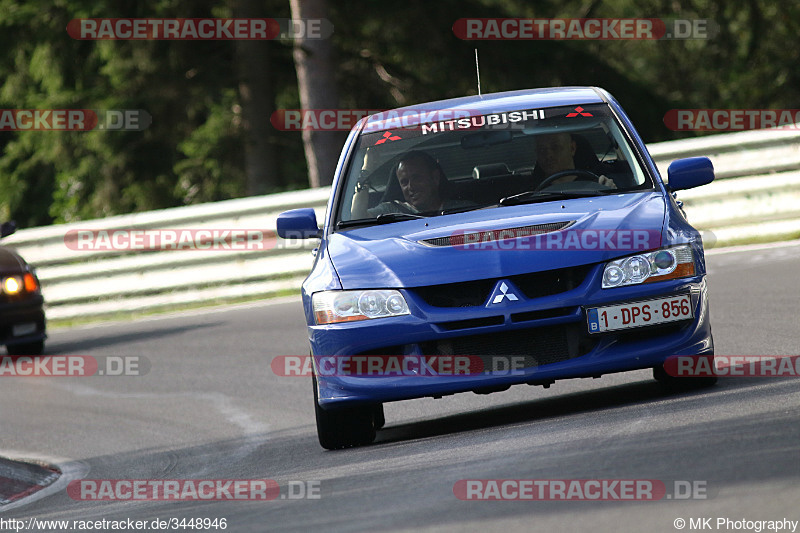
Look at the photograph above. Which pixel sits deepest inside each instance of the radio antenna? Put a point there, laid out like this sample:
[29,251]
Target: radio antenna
[478,71]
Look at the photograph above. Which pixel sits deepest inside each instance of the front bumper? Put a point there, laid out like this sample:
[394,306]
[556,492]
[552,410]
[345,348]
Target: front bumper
[428,329]
[22,321]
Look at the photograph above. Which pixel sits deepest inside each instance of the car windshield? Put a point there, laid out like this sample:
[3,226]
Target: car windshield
[472,161]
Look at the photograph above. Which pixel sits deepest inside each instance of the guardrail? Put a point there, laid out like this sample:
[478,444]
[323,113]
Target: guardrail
[756,194]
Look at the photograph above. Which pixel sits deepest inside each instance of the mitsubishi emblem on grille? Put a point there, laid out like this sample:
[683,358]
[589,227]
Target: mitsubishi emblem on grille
[503,291]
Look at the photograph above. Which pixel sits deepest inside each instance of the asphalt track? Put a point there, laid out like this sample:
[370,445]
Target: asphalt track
[211,408]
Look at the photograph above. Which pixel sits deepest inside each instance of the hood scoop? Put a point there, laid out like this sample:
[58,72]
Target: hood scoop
[460,239]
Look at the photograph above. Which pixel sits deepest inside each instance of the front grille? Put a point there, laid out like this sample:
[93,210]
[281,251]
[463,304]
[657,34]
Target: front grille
[538,284]
[537,346]
[475,293]
[540,315]
[465,239]
[471,323]
[465,294]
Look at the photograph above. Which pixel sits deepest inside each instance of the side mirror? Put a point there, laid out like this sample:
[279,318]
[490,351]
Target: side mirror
[298,224]
[690,172]
[7,228]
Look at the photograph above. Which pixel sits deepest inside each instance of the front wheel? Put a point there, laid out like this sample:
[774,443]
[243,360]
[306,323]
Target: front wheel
[682,383]
[348,426]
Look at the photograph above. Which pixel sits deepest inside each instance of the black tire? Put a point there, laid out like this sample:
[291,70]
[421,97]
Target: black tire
[682,383]
[380,419]
[29,348]
[346,427]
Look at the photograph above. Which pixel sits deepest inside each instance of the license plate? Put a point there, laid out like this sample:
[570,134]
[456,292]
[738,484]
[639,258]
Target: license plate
[23,329]
[637,314]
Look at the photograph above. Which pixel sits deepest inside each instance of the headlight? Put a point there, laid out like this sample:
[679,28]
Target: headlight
[12,285]
[667,263]
[348,306]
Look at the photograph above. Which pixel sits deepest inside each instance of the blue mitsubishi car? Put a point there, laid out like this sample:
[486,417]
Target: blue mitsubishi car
[481,242]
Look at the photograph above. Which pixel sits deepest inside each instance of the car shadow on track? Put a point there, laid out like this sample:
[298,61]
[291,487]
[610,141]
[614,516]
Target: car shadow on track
[603,399]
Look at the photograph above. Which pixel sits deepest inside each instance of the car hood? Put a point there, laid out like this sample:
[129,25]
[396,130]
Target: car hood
[10,261]
[393,255]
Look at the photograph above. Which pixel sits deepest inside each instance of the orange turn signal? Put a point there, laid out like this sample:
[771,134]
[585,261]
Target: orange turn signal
[31,283]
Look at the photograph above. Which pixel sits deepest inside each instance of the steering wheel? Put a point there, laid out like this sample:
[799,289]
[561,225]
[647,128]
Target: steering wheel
[570,172]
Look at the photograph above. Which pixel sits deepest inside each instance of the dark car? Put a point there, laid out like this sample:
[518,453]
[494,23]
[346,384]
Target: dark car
[22,320]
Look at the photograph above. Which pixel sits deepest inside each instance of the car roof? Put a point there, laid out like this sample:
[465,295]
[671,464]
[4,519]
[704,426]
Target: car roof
[494,103]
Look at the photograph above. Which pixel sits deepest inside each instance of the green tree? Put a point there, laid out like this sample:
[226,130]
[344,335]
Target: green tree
[210,101]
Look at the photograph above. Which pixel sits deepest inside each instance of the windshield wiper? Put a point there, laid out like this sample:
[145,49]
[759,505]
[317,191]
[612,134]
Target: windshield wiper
[529,197]
[463,209]
[396,217]
[385,218]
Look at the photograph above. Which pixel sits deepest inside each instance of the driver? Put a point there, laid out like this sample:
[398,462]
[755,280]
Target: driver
[555,152]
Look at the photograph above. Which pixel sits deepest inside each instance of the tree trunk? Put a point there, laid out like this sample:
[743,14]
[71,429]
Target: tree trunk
[316,80]
[255,91]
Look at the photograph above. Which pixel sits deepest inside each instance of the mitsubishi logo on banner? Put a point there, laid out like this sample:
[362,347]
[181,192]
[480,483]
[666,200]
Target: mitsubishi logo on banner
[579,111]
[388,137]
[504,291]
